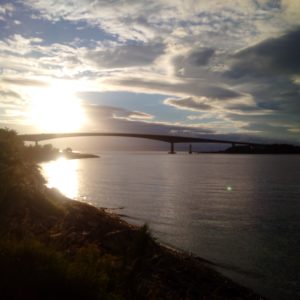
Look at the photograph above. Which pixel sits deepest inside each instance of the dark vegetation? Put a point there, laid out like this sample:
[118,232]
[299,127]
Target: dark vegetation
[55,248]
[266,149]
[39,153]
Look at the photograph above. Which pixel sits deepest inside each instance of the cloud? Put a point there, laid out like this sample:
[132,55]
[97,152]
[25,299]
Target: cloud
[158,19]
[116,119]
[30,57]
[12,107]
[268,71]
[8,96]
[294,129]
[243,106]
[235,60]
[122,56]
[25,82]
[110,112]
[177,87]
[127,19]
[291,9]
[192,62]
[189,103]
[140,116]
[6,8]
[272,56]
[131,115]
[201,57]
[19,45]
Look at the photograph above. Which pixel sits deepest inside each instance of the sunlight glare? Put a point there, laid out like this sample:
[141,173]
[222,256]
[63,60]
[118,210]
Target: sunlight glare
[62,175]
[55,109]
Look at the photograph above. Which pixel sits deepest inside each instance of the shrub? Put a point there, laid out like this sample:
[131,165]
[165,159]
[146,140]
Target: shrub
[30,270]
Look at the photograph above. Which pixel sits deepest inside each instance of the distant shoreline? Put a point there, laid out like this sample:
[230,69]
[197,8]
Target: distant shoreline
[267,149]
[237,153]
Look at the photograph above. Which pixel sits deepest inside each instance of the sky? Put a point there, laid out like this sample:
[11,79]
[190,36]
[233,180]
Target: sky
[215,69]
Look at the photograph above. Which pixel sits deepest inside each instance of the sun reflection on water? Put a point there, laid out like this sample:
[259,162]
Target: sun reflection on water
[62,175]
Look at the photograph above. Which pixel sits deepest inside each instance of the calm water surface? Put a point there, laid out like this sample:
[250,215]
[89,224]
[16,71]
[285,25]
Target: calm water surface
[240,211]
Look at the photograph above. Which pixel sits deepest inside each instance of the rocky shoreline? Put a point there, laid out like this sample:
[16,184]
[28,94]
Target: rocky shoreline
[155,271]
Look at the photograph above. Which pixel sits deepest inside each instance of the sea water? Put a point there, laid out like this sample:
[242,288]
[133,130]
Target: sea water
[242,212]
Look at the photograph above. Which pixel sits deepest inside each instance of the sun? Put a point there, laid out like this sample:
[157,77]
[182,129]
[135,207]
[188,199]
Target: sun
[55,109]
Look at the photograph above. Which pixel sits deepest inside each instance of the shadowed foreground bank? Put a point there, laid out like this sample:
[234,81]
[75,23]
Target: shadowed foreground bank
[62,247]
[52,247]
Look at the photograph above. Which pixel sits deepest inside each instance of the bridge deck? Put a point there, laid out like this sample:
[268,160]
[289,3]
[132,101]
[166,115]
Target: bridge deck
[164,138]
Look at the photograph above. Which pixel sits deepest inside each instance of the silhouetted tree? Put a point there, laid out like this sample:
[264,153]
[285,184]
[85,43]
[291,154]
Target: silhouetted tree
[18,174]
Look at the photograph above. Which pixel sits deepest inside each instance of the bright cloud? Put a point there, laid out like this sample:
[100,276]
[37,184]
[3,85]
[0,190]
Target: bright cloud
[234,64]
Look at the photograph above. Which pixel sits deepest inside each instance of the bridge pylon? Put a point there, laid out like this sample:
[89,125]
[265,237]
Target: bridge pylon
[172,148]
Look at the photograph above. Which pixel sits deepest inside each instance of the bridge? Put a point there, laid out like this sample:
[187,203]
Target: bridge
[171,139]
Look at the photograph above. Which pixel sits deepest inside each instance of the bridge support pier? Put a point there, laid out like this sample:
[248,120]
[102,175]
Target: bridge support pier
[190,149]
[172,148]
[36,143]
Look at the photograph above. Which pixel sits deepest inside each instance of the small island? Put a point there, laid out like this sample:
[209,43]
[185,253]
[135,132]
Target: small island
[52,247]
[42,153]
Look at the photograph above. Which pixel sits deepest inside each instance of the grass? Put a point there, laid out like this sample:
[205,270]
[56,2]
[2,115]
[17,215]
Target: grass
[32,270]
[143,242]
